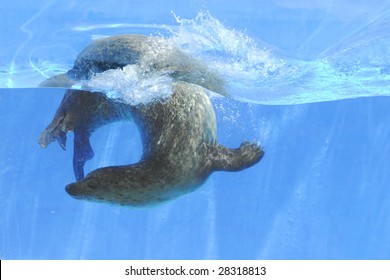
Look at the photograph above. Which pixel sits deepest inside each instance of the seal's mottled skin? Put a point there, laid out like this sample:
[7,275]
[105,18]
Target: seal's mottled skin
[79,110]
[180,152]
[108,53]
[178,133]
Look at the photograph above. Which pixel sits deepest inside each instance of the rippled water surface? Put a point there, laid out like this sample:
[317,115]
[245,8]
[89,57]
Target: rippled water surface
[342,56]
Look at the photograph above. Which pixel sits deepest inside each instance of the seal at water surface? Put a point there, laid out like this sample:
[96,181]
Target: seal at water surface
[178,133]
[180,151]
[78,110]
[154,56]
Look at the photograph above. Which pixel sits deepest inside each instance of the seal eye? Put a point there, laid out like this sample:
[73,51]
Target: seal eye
[74,74]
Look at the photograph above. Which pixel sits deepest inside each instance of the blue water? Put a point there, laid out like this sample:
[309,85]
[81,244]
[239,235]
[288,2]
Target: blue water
[322,189]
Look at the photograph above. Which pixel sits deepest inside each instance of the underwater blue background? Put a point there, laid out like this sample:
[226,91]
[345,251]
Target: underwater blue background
[320,192]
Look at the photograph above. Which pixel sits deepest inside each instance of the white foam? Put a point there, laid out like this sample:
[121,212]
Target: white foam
[131,85]
[230,51]
[255,73]
[356,66]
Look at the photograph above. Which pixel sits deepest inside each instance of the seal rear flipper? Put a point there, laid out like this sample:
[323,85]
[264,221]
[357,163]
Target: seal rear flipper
[82,152]
[54,131]
[226,159]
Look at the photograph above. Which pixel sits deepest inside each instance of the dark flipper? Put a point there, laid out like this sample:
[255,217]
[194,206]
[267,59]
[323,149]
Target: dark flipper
[82,152]
[225,159]
[82,112]
[55,131]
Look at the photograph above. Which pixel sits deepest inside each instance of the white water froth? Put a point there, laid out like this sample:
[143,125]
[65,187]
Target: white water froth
[257,74]
[254,72]
[246,68]
[127,86]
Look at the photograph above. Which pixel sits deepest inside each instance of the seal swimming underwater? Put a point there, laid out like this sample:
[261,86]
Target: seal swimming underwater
[180,152]
[78,112]
[178,133]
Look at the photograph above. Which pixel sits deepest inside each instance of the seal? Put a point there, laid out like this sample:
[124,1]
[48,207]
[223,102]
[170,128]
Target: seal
[83,113]
[180,151]
[178,132]
[154,56]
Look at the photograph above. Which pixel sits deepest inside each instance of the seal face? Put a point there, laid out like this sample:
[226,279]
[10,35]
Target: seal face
[180,152]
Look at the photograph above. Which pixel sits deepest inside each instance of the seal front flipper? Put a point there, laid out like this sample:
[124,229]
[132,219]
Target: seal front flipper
[82,152]
[226,159]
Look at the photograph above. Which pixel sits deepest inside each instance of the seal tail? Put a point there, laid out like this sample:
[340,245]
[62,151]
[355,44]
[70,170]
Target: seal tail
[226,159]
[55,131]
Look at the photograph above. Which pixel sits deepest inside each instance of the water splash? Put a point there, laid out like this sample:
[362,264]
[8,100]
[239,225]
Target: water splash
[126,85]
[235,55]
[256,74]
[357,66]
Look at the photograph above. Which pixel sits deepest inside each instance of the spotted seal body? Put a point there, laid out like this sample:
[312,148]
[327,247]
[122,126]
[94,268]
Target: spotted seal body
[180,152]
[82,113]
[178,133]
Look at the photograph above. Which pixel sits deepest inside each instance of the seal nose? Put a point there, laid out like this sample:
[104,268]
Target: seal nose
[82,189]
[72,189]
